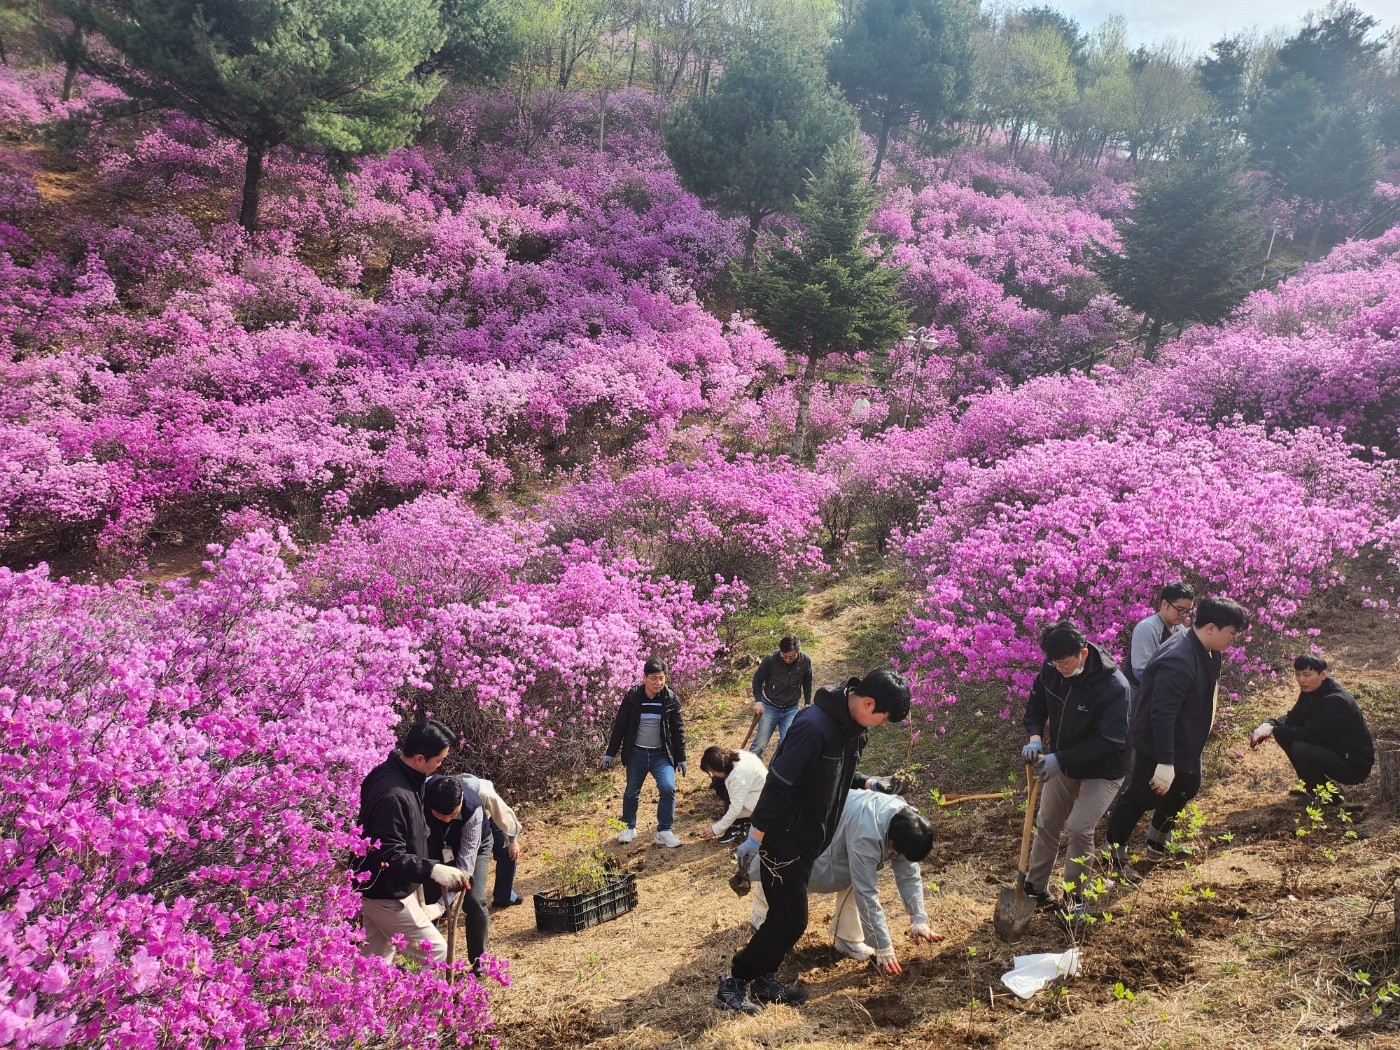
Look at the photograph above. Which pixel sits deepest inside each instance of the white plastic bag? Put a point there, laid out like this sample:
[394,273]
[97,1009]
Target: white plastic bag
[1030,973]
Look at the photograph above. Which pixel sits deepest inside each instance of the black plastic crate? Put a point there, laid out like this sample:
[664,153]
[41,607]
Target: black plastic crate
[578,911]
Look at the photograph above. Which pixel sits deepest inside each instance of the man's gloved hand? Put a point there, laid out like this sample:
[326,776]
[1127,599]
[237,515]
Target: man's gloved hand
[1162,778]
[681,767]
[1047,766]
[450,878]
[607,761]
[758,707]
[1261,734]
[748,849]
[1032,749]
[921,932]
[886,962]
[886,785]
[435,911]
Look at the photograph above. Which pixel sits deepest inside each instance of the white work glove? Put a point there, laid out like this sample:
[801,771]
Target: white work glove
[1162,778]
[450,878]
[885,960]
[435,911]
[920,932]
[1261,734]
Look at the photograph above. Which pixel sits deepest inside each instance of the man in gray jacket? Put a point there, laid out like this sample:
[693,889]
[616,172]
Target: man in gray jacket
[875,829]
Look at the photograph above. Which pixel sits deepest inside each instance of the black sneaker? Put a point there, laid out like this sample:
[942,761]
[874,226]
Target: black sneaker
[733,994]
[766,989]
[1043,900]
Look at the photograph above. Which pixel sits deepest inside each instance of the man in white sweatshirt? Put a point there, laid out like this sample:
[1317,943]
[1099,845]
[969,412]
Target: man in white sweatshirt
[874,829]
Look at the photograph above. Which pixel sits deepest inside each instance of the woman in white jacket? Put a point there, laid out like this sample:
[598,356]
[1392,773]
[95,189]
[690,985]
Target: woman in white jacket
[737,778]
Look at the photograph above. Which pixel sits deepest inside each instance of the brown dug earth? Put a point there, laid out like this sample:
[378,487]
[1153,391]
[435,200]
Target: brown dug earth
[1280,932]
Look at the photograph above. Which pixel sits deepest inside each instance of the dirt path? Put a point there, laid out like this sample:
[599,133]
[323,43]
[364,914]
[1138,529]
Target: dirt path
[1257,945]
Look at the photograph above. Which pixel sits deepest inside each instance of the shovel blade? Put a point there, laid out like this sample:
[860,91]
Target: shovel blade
[1014,913]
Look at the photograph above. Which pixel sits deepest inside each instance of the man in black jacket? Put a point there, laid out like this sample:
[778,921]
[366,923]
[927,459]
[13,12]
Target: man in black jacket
[1325,736]
[397,861]
[1077,718]
[650,733]
[783,679]
[795,820]
[1172,719]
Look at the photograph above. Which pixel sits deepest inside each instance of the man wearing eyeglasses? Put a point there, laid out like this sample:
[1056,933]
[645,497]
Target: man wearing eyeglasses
[1174,605]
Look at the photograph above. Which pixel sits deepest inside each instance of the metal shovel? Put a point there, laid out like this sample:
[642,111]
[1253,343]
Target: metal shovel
[1014,909]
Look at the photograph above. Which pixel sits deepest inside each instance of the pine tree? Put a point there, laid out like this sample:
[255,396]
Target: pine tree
[333,75]
[826,292]
[1189,244]
[751,144]
[906,59]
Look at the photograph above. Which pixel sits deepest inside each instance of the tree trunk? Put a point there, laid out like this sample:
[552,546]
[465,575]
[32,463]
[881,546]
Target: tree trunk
[1153,337]
[252,182]
[885,125]
[751,240]
[1388,771]
[632,63]
[805,384]
[72,48]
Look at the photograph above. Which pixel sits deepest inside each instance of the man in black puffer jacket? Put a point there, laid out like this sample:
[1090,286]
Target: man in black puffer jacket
[1077,718]
[1325,735]
[795,820]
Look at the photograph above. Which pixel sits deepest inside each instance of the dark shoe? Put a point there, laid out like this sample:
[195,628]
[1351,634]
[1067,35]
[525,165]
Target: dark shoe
[733,994]
[738,832]
[1043,900]
[766,989]
[1125,875]
[514,900]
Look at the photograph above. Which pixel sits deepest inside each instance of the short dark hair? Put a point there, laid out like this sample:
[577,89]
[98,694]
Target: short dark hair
[1309,662]
[442,794]
[1175,592]
[655,665]
[888,689]
[718,759]
[428,738]
[789,644]
[911,834]
[1062,638]
[1221,612]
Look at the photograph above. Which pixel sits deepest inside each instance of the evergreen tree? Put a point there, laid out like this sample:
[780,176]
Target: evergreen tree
[1188,244]
[334,75]
[1223,75]
[483,38]
[826,292]
[906,59]
[751,144]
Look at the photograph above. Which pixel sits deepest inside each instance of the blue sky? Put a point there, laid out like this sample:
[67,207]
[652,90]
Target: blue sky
[1198,23]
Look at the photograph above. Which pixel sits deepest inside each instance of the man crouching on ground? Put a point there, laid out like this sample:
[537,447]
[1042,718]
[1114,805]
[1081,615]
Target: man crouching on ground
[796,818]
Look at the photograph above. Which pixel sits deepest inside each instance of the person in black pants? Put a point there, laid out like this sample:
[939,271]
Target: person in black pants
[1325,736]
[1171,721]
[795,820]
[456,834]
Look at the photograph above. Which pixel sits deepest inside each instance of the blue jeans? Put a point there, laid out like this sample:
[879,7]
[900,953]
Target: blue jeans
[654,761]
[773,717]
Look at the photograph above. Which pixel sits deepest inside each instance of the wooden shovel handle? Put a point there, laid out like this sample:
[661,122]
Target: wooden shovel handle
[1031,797]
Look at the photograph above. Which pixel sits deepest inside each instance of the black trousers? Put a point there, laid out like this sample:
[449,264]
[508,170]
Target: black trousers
[1316,765]
[784,876]
[1137,799]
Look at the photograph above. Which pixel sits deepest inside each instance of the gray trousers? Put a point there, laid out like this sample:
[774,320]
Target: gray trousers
[1075,806]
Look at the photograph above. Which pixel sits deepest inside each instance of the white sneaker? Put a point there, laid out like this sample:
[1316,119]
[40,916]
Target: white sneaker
[666,838]
[857,950]
[628,834]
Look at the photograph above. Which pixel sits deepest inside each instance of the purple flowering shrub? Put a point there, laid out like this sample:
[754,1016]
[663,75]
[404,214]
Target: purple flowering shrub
[1089,528]
[175,873]
[1322,349]
[527,644]
[712,520]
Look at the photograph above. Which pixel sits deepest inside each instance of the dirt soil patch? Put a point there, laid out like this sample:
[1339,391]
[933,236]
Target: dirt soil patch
[1279,933]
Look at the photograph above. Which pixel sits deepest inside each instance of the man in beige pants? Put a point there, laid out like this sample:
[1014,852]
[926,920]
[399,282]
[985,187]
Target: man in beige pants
[390,876]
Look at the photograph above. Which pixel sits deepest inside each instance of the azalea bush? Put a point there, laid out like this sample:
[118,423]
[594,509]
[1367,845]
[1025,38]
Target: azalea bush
[176,875]
[1091,528]
[528,645]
